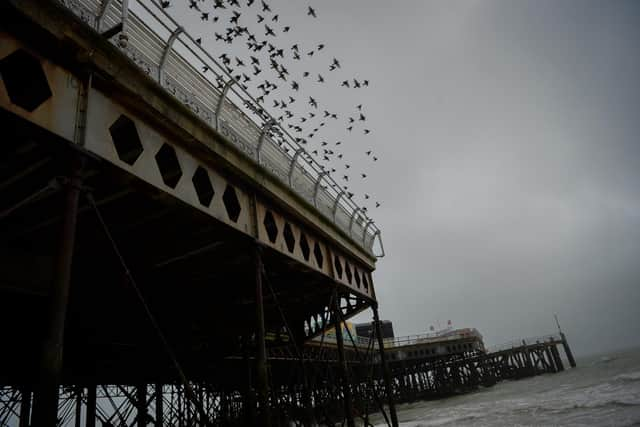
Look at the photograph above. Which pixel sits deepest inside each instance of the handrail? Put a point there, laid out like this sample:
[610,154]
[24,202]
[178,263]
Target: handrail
[153,9]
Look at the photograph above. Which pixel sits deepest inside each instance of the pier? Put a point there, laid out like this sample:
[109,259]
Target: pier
[171,256]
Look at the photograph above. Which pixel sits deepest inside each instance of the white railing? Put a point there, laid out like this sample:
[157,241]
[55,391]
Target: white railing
[153,40]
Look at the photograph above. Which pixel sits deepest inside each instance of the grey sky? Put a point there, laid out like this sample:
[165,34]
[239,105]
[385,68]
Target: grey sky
[509,166]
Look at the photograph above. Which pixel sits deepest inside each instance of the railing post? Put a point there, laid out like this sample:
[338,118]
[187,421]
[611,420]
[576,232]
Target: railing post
[364,233]
[266,127]
[123,38]
[165,52]
[102,13]
[336,204]
[223,95]
[353,217]
[317,187]
[292,166]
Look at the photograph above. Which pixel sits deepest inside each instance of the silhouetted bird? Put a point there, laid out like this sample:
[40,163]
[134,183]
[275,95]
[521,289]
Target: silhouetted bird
[311,12]
[269,31]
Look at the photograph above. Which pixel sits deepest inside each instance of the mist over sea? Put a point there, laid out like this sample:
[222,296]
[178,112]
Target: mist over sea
[603,390]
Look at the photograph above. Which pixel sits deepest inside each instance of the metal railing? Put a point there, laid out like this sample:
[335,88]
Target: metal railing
[526,341]
[430,338]
[153,40]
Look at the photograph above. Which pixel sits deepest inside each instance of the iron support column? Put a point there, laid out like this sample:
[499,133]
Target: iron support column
[141,404]
[91,406]
[567,350]
[25,406]
[45,402]
[261,350]
[346,386]
[308,420]
[385,368]
[159,405]
[78,417]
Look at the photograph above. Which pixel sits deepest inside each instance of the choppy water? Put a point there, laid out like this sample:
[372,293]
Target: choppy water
[601,391]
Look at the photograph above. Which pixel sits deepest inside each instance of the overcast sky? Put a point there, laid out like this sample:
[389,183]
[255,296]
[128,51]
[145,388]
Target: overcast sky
[509,156]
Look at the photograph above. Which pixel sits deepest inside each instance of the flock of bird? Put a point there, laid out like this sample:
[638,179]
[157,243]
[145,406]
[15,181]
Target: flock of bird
[253,27]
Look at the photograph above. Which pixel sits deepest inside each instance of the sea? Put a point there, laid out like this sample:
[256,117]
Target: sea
[603,390]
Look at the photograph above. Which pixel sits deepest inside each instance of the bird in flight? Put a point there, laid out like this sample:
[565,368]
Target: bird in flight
[311,12]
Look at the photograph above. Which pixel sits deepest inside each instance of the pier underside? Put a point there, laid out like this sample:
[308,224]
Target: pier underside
[197,276]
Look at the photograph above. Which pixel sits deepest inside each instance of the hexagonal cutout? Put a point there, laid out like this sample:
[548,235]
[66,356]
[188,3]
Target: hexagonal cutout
[338,266]
[317,253]
[304,246]
[347,271]
[202,184]
[356,276]
[271,226]
[25,80]
[126,140]
[231,203]
[169,166]
[289,238]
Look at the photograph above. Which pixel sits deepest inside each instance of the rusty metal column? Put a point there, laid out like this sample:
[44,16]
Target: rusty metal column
[346,387]
[261,350]
[91,406]
[45,402]
[385,368]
